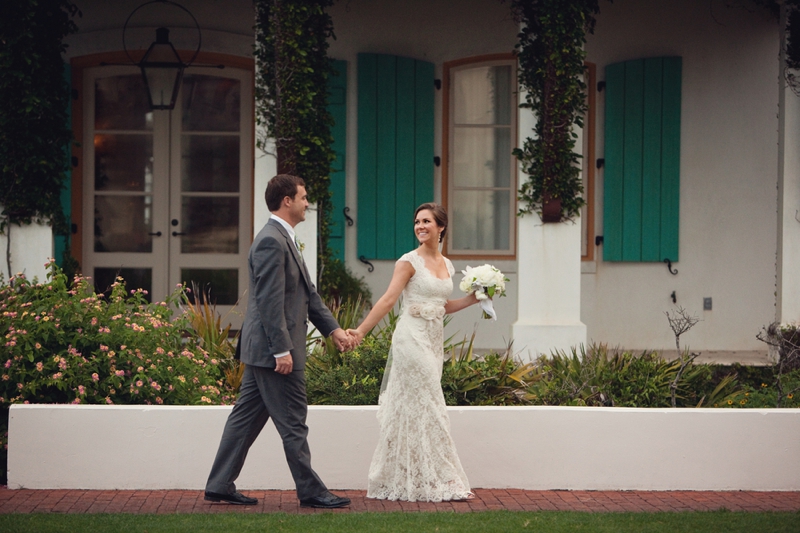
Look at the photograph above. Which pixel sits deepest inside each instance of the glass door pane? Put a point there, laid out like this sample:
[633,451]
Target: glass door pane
[209,201]
[125,175]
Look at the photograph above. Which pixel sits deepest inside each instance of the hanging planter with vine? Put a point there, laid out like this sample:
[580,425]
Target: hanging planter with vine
[551,70]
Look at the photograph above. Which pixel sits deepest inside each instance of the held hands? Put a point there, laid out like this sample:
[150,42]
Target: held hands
[343,340]
[356,335]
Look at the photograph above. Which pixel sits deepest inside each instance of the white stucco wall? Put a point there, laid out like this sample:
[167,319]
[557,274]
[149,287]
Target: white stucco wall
[728,174]
[31,247]
[594,448]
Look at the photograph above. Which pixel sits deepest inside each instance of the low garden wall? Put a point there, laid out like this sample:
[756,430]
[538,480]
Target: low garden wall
[590,448]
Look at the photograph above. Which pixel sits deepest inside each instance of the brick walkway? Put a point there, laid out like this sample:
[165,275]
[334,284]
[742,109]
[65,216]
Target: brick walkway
[191,501]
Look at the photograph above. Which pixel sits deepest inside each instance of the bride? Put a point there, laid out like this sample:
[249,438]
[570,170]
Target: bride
[416,458]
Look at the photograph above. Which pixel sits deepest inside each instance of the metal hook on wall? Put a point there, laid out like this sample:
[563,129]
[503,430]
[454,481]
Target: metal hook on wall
[669,267]
[370,266]
[347,217]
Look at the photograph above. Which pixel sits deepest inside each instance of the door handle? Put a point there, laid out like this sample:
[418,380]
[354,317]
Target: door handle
[176,233]
[155,233]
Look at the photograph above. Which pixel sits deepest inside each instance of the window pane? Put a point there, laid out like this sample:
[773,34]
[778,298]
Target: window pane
[123,224]
[135,278]
[482,220]
[482,95]
[210,163]
[481,157]
[210,103]
[211,225]
[221,285]
[120,103]
[123,162]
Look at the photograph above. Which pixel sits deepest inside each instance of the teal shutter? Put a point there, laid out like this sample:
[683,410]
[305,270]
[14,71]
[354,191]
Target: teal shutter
[642,160]
[61,242]
[395,151]
[337,107]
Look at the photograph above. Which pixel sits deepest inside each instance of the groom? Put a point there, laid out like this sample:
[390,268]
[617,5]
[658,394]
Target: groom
[273,348]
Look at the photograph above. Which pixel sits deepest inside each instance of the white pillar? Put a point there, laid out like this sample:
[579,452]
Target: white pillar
[266,166]
[31,248]
[549,264]
[787,308]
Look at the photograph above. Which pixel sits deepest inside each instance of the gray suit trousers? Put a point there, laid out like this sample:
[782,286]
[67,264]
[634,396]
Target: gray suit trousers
[265,393]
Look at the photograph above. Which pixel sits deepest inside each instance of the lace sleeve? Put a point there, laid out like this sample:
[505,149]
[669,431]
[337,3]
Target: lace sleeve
[450,269]
[416,261]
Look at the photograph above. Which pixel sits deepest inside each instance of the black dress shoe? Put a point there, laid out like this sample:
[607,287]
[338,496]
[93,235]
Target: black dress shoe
[237,498]
[326,501]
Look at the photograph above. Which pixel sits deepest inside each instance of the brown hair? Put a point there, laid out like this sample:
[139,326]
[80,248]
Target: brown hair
[439,216]
[280,187]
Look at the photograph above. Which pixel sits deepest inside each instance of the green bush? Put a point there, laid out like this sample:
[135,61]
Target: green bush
[598,377]
[353,378]
[338,283]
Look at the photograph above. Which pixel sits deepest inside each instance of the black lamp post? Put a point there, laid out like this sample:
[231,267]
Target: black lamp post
[162,70]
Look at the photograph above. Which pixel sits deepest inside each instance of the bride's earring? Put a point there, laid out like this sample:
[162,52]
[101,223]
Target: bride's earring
[440,242]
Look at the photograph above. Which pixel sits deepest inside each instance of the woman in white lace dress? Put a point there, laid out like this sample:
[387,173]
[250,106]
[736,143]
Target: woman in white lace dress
[416,458]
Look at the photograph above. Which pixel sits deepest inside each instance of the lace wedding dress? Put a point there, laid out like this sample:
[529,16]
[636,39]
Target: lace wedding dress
[416,458]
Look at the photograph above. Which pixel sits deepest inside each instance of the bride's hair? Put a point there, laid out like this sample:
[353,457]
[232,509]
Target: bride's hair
[439,215]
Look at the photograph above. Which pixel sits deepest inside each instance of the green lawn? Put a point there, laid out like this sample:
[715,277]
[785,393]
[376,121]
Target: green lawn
[490,521]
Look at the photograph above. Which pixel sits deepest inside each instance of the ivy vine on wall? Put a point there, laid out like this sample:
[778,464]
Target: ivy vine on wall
[551,69]
[292,70]
[34,132]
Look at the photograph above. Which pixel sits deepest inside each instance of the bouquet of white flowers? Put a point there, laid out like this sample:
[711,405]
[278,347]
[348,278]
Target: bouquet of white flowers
[486,282]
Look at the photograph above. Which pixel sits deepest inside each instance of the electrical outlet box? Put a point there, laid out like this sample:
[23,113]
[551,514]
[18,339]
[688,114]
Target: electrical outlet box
[707,304]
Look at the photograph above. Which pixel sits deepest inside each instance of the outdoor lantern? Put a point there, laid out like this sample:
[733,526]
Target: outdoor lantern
[161,66]
[162,70]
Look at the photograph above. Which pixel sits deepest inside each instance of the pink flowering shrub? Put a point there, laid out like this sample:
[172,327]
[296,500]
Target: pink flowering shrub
[64,343]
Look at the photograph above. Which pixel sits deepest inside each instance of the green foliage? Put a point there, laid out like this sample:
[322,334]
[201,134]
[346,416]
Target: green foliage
[214,338]
[494,379]
[292,98]
[67,344]
[34,132]
[551,68]
[598,377]
[351,379]
[337,282]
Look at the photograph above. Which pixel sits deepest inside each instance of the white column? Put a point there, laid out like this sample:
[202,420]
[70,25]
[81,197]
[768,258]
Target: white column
[787,307]
[549,263]
[31,248]
[266,166]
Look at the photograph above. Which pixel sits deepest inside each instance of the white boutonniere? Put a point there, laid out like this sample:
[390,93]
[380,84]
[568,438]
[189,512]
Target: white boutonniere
[301,246]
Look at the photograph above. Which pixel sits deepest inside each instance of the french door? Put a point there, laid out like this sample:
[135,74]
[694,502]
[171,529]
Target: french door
[167,194]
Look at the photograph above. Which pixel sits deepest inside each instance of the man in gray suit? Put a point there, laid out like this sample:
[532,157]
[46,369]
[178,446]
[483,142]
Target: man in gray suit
[273,348]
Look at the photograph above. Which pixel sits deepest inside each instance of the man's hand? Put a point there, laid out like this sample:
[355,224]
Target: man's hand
[284,365]
[342,340]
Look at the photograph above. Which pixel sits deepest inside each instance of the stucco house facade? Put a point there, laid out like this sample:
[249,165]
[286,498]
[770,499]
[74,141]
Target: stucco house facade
[689,155]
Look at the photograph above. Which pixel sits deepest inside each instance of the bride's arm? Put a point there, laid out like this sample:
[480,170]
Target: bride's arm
[402,273]
[453,306]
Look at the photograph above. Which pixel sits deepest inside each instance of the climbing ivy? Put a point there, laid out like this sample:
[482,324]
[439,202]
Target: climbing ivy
[551,70]
[292,70]
[34,132]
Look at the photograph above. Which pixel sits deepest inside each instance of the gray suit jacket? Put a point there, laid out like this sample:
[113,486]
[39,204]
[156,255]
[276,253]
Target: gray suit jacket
[280,301]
